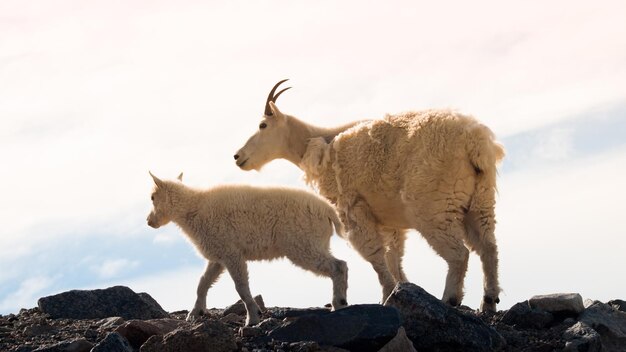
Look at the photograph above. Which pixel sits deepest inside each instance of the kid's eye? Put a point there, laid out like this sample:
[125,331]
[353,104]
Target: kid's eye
[262,125]
[152,198]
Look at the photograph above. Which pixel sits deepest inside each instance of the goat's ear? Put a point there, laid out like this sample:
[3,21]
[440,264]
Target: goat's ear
[157,181]
[180,177]
[275,112]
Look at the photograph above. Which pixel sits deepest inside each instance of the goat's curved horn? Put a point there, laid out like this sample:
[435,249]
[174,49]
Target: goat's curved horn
[272,98]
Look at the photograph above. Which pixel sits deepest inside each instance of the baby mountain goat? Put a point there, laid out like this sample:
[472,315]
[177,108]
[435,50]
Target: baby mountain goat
[230,225]
[433,171]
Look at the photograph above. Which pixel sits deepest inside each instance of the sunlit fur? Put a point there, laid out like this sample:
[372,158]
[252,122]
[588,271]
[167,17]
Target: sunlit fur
[433,171]
[232,224]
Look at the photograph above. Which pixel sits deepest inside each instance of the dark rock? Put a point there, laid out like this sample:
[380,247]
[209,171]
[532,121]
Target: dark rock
[113,342]
[290,313]
[399,343]
[240,309]
[96,304]
[79,345]
[559,303]
[581,337]
[356,328]
[210,336]
[618,304]
[609,322]
[523,316]
[139,331]
[435,326]
[250,331]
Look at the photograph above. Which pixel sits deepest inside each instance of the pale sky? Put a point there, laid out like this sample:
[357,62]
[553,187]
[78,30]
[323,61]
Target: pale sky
[95,94]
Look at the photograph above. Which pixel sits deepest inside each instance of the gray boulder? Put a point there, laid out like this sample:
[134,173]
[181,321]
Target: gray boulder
[209,336]
[240,309]
[113,342]
[618,304]
[558,303]
[609,322]
[581,337]
[139,331]
[521,315]
[435,326]
[96,304]
[366,327]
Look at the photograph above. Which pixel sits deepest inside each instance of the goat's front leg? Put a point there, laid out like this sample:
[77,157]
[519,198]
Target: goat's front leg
[238,270]
[211,274]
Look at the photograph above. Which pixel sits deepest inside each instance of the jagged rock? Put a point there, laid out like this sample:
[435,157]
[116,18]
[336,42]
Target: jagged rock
[365,327]
[232,318]
[240,309]
[38,329]
[618,304]
[558,303]
[210,336]
[96,304]
[139,331]
[113,342]
[110,322]
[581,337]
[523,316]
[609,322]
[433,325]
[79,345]
[399,343]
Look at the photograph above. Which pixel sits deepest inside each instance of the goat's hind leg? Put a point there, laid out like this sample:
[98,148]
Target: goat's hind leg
[323,263]
[481,238]
[238,270]
[211,274]
[365,238]
[446,238]
[394,243]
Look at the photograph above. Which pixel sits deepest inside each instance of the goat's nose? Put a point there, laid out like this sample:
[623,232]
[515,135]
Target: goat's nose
[236,156]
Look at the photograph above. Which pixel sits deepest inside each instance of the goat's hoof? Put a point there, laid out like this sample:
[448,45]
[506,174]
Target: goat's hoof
[489,304]
[196,313]
[453,302]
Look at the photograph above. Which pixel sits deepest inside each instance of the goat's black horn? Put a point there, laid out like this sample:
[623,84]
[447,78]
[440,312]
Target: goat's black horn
[272,98]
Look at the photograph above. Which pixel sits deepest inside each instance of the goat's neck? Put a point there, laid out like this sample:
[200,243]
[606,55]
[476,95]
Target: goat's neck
[301,132]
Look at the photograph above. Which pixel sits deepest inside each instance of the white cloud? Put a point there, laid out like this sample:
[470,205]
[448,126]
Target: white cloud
[111,268]
[554,145]
[27,293]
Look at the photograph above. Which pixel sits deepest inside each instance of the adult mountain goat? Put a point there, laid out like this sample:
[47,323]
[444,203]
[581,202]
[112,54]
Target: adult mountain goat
[433,171]
[232,224]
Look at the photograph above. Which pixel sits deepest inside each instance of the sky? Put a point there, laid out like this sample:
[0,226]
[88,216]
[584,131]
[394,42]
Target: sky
[95,94]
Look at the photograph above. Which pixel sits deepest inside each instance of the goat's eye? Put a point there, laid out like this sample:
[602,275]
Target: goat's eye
[262,125]
[152,198]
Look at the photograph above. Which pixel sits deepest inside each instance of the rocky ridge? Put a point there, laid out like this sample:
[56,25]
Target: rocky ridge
[118,319]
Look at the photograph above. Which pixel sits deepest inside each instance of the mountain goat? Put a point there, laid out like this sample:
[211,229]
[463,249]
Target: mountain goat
[433,171]
[232,224]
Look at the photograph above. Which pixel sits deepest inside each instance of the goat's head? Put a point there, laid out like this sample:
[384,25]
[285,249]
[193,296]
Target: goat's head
[270,141]
[161,202]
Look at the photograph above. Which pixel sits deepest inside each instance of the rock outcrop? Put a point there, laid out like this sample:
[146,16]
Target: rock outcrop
[117,301]
[410,320]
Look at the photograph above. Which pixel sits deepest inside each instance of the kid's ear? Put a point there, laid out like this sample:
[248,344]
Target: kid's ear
[180,177]
[157,181]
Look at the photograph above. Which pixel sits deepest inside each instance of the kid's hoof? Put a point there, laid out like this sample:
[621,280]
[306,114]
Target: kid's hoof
[196,313]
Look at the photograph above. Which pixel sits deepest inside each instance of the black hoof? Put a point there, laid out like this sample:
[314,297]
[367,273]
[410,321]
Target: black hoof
[453,302]
[490,300]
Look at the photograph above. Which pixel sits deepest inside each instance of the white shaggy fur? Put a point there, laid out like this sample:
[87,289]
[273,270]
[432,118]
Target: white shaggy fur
[232,224]
[433,171]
